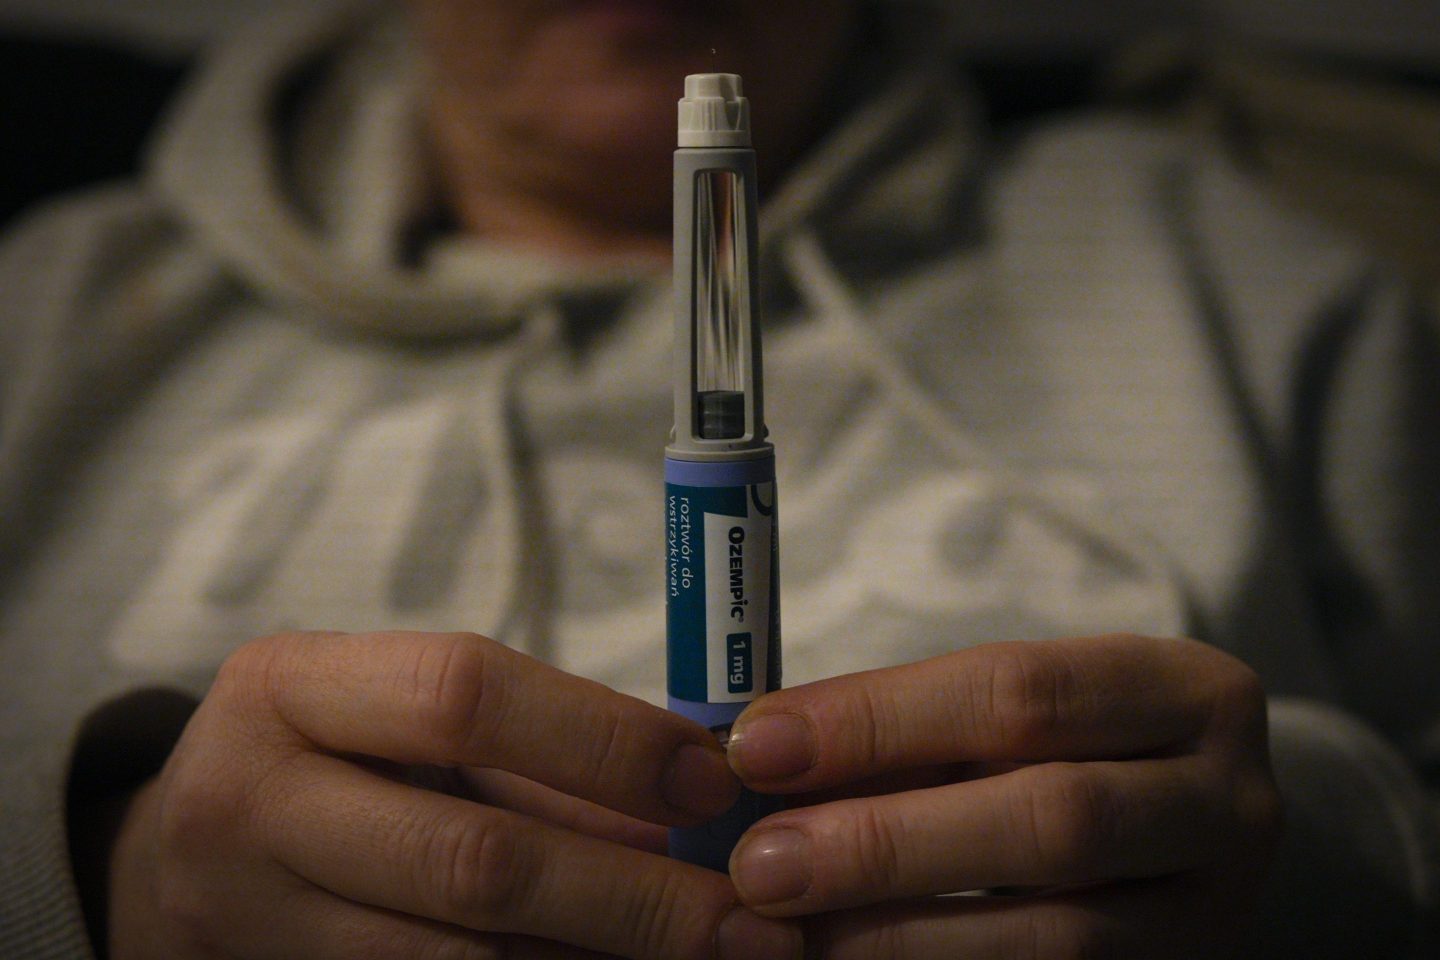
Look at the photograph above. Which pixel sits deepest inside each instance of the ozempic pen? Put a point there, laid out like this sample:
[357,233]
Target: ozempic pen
[722,575]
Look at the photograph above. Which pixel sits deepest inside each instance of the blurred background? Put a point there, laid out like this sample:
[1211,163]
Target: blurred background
[1395,29]
[81,81]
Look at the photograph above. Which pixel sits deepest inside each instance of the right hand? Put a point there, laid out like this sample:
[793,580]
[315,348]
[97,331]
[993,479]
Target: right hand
[287,822]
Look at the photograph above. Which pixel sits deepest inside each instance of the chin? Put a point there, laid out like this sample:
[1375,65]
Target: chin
[621,109]
[626,54]
[644,109]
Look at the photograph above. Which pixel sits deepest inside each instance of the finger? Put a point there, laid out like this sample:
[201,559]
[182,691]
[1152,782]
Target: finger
[372,840]
[1102,698]
[320,926]
[498,788]
[1176,918]
[896,781]
[1046,825]
[463,699]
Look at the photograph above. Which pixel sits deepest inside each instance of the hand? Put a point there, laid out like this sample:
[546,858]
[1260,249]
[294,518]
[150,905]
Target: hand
[287,821]
[1112,795]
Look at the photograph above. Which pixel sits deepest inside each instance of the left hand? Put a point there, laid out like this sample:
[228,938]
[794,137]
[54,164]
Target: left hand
[1113,795]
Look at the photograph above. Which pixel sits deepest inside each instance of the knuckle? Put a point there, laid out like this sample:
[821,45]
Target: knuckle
[251,671]
[877,856]
[893,941]
[178,902]
[1073,819]
[664,912]
[186,909]
[482,948]
[1026,695]
[190,814]
[608,739]
[203,796]
[478,867]
[446,945]
[877,720]
[454,684]
[651,913]
[1062,932]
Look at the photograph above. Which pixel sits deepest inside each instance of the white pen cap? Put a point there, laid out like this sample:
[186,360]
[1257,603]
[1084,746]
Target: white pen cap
[713,113]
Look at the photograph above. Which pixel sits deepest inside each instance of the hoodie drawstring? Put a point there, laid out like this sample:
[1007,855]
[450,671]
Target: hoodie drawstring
[515,593]
[837,306]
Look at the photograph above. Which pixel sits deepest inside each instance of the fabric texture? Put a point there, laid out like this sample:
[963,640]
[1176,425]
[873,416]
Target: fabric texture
[1096,379]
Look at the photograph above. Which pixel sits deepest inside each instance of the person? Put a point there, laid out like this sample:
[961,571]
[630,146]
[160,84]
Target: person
[375,356]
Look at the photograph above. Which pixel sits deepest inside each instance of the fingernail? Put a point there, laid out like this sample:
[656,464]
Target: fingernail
[745,936]
[771,866]
[773,747]
[699,782]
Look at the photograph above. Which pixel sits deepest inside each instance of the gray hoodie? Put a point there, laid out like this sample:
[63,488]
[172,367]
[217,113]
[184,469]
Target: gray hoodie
[1097,380]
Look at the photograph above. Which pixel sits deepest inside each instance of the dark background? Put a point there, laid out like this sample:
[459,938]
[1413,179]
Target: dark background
[83,81]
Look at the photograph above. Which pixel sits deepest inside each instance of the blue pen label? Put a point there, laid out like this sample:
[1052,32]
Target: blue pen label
[720,548]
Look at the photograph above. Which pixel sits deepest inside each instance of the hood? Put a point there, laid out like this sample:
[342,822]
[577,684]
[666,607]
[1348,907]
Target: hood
[1361,150]
[296,156]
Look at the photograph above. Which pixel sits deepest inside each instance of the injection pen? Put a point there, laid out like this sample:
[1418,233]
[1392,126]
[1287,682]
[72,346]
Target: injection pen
[722,591]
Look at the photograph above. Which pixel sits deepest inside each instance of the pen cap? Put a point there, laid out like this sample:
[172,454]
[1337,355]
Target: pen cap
[713,113]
